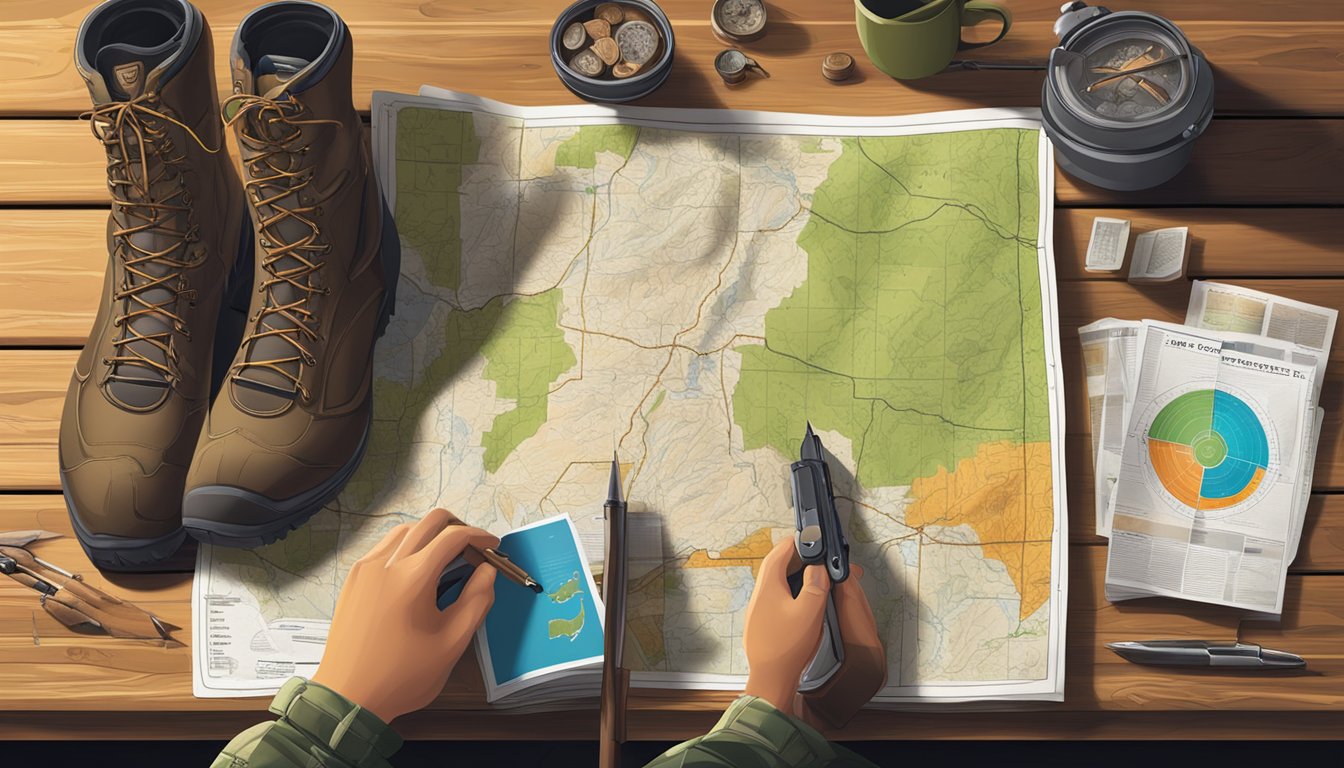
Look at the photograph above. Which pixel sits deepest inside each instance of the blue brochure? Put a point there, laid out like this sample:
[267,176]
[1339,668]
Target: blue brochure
[533,639]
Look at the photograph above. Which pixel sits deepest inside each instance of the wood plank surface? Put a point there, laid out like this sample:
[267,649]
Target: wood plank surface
[52,260]
[1262,197]
[501,51]
[48,668]
[225,14]
[30,400]
[1239,162]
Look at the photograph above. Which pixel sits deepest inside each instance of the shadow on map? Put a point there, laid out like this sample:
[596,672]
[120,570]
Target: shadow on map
[893,607]
[400,421]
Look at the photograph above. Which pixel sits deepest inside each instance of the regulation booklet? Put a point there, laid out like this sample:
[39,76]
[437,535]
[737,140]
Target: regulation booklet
[1215,472]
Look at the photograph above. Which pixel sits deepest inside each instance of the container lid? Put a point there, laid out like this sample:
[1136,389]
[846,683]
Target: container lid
[738,21]
[1123,70]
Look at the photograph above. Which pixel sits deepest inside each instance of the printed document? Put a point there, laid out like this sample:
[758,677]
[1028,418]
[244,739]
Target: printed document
[1212,472]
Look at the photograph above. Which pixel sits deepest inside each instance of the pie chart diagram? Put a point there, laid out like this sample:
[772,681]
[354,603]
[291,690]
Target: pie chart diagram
[1208,448]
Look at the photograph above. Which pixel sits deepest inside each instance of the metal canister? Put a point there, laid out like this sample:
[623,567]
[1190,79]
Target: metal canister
[621,87]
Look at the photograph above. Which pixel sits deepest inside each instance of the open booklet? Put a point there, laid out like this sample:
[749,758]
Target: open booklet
[541,648]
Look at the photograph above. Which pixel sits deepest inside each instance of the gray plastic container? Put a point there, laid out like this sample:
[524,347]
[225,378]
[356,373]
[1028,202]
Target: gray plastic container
[612,91]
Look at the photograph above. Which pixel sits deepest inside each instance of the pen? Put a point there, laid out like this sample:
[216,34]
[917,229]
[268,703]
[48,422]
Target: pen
[504,565]
[1202,653]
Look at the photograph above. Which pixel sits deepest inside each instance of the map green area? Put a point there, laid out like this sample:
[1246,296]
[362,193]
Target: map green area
[581,149]
[566,591]
[570,628]
[432,148]
[891,334]
[525,352]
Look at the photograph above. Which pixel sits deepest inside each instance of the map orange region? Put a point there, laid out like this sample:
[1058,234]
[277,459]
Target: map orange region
[1004,493]
[1180,473]
[747,553]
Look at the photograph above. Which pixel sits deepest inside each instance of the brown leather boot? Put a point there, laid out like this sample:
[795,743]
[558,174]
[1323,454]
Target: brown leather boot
[176,237]
[292,420]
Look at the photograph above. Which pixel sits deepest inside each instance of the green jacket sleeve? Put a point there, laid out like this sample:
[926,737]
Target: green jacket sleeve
[318,728]
[753,734]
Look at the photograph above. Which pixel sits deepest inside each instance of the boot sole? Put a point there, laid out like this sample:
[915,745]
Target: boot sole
[286,514]
[293,512]
[123,553]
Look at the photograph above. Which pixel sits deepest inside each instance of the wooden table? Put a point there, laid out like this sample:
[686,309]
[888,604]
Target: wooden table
[1262,198]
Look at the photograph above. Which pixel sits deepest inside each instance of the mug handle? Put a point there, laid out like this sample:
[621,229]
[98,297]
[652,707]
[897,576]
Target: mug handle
[977,11]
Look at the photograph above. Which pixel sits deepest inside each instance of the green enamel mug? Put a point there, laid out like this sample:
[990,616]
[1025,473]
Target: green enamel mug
[908,39]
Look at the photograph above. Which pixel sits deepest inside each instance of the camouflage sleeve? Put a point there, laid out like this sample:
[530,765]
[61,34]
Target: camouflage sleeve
[753,734]
[317,727]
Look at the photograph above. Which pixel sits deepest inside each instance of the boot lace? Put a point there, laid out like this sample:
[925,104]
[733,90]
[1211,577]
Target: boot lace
[141,162]
[274,155]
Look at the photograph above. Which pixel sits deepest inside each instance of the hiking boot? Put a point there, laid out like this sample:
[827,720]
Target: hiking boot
[291,422]
[175,239]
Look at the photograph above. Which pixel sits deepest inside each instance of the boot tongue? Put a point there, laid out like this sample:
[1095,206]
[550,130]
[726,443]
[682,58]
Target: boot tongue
[124,66]
[274,72]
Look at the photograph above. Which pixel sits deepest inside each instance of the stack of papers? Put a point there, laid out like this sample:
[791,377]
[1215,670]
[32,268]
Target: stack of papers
[1204,443]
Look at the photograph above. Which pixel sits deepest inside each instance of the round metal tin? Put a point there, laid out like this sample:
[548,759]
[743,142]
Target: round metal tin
[645,81]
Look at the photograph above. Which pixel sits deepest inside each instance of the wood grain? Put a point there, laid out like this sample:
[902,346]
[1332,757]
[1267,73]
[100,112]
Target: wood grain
[52,260]
[225,14]
[30,402]
[1240,162]
[1224,242]
[1271,59]
[501,53]
[64,671]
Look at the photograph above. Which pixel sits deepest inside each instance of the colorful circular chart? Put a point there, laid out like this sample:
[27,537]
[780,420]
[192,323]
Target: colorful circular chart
[1208,449]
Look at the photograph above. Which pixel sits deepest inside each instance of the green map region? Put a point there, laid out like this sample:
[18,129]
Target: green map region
[570,628]
[433,145]
[891,333]
[567,591]
[581,149]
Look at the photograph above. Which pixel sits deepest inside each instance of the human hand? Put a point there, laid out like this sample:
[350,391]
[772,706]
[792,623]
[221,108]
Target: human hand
[783,632]
[391,649]
[864,670]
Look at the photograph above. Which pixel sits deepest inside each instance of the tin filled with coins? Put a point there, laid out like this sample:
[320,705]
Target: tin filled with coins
[612,51]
